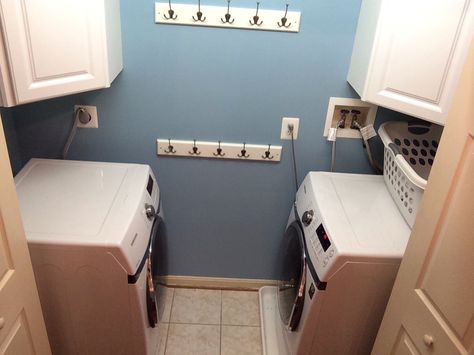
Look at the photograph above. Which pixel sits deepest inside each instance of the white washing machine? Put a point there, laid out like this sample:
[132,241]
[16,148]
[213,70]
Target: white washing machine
[339,258]
[91,228]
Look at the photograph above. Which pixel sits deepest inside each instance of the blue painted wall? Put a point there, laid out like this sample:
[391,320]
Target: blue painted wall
[224,218]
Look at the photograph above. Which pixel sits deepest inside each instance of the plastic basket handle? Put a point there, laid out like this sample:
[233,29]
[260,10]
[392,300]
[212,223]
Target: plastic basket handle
[395,148]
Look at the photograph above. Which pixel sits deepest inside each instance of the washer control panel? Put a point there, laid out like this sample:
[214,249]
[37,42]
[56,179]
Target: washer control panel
[323,237]
[321,247]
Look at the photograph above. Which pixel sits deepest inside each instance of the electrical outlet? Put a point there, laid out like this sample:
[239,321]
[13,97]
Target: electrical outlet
[92,111]
[285,131]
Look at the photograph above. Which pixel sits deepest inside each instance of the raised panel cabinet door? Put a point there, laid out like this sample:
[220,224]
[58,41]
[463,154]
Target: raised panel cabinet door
[22,329]
[419,51]
[431,309]
[54,47]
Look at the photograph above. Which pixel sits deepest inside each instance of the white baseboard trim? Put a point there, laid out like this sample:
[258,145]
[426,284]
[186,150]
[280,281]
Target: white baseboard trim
[215,282]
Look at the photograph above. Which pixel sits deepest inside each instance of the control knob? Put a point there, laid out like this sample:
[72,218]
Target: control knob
[150,211]
[307,217]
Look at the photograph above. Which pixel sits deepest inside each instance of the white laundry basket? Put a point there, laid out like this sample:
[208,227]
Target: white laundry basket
[409,153]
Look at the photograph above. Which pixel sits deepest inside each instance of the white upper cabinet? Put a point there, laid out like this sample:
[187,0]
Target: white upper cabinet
[53,48]
[408,54]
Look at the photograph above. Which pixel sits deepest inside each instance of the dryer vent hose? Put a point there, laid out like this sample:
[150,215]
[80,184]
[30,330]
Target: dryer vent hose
[80,115]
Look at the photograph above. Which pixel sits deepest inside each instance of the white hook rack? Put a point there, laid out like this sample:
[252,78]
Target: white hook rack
[215,16]
[218,150]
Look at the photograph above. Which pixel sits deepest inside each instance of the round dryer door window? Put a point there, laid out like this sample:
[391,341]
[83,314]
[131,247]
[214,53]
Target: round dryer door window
[291,276]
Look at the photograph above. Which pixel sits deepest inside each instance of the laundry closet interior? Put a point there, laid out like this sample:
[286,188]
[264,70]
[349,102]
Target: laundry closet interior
[220,176]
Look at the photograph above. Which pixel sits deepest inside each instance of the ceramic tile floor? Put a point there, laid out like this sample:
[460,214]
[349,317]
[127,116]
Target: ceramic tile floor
[209,322]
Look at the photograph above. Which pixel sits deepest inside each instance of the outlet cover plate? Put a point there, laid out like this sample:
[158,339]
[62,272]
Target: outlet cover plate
[337,103]
[285,133]
[94,122]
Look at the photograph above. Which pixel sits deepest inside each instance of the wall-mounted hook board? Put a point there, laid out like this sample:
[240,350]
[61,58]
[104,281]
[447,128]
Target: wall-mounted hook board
[241,17]
[210,150]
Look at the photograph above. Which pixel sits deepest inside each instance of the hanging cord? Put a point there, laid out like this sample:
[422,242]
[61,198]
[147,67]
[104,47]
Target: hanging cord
[340,124]
[333,153]
[375,164]
[79,112]
[290,128]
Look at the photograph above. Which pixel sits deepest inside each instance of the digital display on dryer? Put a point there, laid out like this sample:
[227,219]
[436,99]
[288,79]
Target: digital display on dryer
[323,237]
[149,186]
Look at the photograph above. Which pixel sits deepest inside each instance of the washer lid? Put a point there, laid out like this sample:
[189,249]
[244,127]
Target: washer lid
[91,205]
[359,214]
[67,199]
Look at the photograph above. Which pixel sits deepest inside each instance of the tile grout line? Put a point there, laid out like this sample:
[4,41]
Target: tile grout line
[187,323]
[169,322]
[216,324]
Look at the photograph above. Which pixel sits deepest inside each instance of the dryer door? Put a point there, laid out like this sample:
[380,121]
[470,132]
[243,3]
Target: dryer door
[151,305]
[151,297]
[292,276]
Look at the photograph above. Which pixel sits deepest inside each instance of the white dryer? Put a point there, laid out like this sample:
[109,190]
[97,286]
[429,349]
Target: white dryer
[339,258]
[91,228]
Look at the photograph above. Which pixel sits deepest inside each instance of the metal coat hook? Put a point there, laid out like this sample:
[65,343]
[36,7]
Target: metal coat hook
[227,16]
[199,14]
[170,148]
[219,151]
[243,153]
[267,153]
[255,19]
[284,19]
[195,150]
[171,14]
